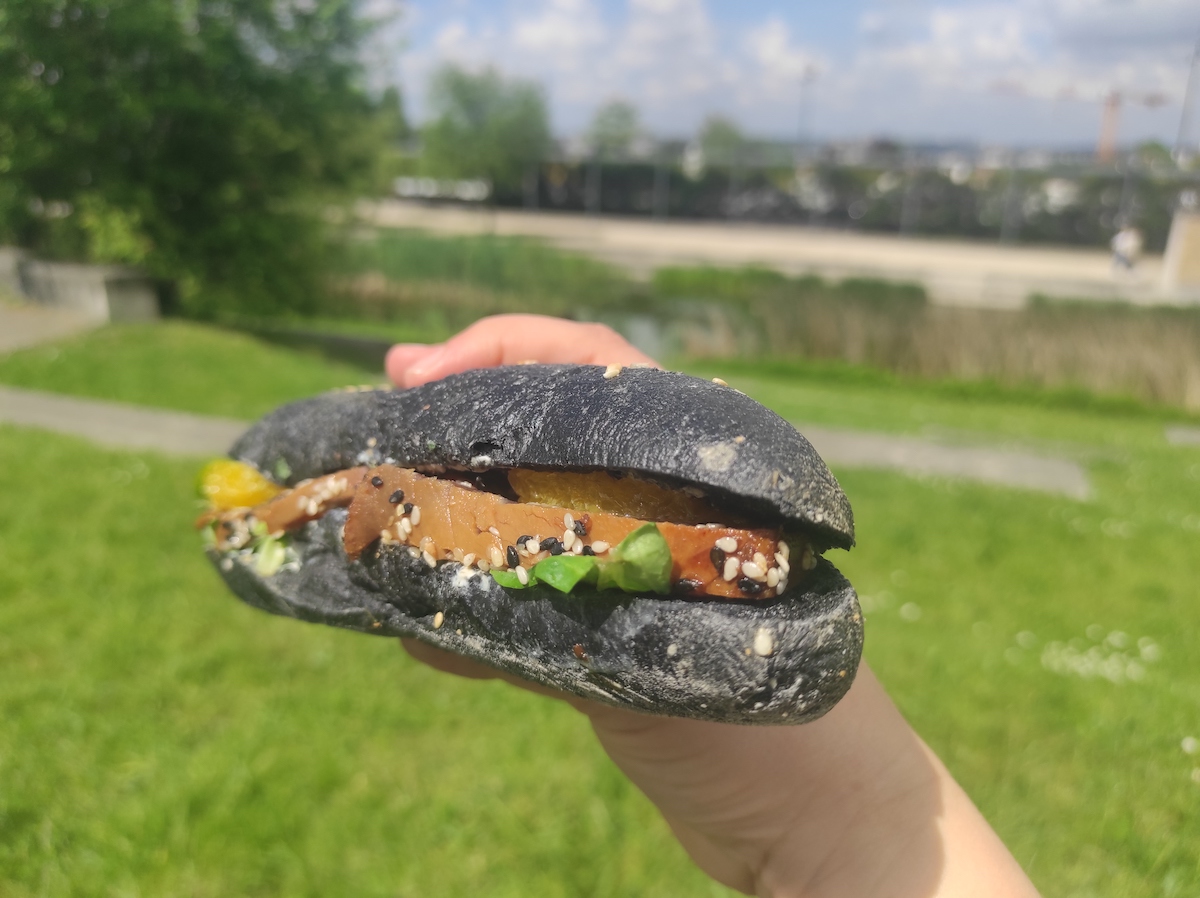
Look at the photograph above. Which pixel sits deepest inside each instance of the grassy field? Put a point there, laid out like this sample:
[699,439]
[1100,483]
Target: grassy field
[158,738]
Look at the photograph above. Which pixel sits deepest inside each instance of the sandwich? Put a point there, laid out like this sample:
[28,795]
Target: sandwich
[633,536]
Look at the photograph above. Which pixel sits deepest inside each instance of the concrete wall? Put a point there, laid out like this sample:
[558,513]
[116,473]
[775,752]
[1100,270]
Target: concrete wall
[95,292]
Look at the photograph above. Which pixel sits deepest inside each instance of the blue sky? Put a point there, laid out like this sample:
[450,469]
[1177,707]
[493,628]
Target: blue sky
[1021,72]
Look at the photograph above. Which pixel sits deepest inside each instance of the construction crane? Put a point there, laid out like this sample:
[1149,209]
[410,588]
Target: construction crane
[1106,146]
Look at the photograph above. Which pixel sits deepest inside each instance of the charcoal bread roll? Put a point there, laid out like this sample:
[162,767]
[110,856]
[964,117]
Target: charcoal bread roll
[781,660]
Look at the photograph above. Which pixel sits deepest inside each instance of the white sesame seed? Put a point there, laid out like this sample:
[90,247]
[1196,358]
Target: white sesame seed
[731,568]
[414,552]
[773,577]
[719,382]
[227,564]
[760,560]
[438,620]
[493,531]
[496,556]
[568,539]
[599,547]
[569,521]
[468,559]
[808,560]
[611,371]
[781,587]
[782,561]
[671,650]
[531,546]
[383,534]
[784,550]
[727,544]
[523,576]
[753,571]
[483,565]
[416,515]
[457,554]
[404,528]
[577,549]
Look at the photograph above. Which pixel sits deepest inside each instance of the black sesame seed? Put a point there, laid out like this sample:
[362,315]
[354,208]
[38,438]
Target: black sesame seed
[717,554]
[511,555]
[580,529]
[521,540]
[685,587]
[750,587]
[377,481]
[588,550]
[548,543]
[397,497]
[408,506]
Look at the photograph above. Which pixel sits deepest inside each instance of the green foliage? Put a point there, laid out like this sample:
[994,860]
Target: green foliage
[721,140]
[484,126]
[193,138]
[613,129]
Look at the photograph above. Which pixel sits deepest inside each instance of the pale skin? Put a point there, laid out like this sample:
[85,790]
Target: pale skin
[853,804]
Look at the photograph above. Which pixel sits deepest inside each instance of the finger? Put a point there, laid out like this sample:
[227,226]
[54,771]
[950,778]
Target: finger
[447,662]
[513,339]
[402,356]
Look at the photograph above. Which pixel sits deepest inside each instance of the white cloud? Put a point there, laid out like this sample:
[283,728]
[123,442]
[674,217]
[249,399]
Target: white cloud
[975,68]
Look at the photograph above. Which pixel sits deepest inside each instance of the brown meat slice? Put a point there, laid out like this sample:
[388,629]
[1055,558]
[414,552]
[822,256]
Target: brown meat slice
[449,520]
[305,502]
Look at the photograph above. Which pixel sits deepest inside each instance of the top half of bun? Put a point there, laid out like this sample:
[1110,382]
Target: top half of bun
[658,424]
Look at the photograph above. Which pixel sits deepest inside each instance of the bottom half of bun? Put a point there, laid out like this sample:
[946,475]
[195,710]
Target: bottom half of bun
[782,661]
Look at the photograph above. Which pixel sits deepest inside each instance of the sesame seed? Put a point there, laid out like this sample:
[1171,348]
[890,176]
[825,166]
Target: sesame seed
[438,620]
[773,577]
[781,587]
[377,481]
[531,546]
[599,547]
[784,550]
[686,586]
[568,539]
[782,561]
[727,544]
[753,571]
[511,556]
[404,528]
[760,560]
[577,549]
[496,556]
[523,576]
[739,439]
[383,534]
[483,565]
[671,650]
[416,515]
[717,555]
[493,531]
[587,550]
[414,552]
[521,540]
[569,521]
[457,554]
[719,382]
[468,559]
[764,642]
[551,544]
[396,498]
[731,569]
[580,528]
[408,506]
[611,371]
[750,587]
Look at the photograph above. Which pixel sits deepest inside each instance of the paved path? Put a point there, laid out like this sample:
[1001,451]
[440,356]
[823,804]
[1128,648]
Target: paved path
[176,433]
[24,325]
[119,426]
[954,272]
[1183,436]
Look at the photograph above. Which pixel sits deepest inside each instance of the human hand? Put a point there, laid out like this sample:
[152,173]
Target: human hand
[853,804]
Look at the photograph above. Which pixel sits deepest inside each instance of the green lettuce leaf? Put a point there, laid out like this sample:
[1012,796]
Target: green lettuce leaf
[641,562]
[565,572]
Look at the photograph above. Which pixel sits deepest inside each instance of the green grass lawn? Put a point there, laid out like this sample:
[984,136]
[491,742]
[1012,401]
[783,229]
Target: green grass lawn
[156,737]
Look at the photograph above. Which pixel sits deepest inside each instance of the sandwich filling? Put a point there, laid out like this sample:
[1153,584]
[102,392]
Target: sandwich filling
[562,529]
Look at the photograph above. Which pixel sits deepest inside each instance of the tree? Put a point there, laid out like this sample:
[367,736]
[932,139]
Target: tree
[198,139]
[720,140]
[613,130]
[484,126]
